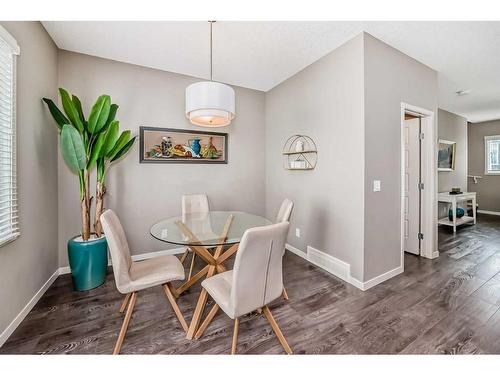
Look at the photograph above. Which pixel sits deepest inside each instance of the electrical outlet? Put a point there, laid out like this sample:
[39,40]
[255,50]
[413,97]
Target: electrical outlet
[376,185]
[297,232]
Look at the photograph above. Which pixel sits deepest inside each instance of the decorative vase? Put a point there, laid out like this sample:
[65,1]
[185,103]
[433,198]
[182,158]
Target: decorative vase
[88,261]
[460,213]
[195,146]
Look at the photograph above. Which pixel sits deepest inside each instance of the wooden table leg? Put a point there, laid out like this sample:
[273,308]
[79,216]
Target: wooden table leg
[198,311]
[202,300]
[207,321]
[188,284]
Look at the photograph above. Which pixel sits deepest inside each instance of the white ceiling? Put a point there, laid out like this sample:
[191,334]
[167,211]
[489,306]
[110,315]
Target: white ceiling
[260,55]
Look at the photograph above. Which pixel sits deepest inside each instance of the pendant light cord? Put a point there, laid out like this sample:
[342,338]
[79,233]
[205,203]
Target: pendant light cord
[211,63]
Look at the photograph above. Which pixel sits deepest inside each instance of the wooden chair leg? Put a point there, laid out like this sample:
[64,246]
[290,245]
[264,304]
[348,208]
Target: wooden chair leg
[123,330]
[235,336]
[284,294]
[192,265]
[175,307]
[207,321]
[183,257]
[125,303]
[276,329]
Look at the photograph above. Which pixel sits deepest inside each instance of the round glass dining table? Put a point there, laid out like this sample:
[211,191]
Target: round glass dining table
[213,236]
[207,228]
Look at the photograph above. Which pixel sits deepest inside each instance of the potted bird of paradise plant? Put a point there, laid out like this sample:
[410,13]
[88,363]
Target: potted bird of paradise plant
[88,143]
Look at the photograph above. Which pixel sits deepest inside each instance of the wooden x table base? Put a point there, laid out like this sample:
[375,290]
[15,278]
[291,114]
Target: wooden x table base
[215,264]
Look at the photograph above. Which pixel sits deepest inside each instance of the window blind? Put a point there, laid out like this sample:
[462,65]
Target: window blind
[9,222]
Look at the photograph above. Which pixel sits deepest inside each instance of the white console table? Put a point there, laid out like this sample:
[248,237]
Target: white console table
[454,199]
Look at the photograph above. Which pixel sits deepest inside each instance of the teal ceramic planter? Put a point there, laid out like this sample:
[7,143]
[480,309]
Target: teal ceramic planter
[88,262]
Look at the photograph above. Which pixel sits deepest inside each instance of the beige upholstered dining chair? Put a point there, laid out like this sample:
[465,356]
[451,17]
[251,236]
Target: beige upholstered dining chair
[284,215]
[285,211]
[193,204]
[255,281]
[131,277]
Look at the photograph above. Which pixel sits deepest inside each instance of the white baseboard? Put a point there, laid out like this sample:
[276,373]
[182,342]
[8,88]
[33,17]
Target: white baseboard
[26,309]
[65,270]
[380,278]
[296,251]
[486,212]
[329,263]
[341,269]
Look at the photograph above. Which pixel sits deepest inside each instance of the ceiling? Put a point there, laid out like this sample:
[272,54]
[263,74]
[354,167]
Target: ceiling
[260,55]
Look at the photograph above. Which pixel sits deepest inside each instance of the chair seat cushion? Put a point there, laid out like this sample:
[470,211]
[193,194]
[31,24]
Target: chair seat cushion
[154,271]
[219,288]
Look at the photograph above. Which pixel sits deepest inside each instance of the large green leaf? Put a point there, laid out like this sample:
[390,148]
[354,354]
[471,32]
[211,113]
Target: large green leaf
[58,116]
[101,170]
[72,149]
[122,141]
[95,153]
[71,110]
[78,105]
[112,114]
[99,114]
[123,150]
[111,137]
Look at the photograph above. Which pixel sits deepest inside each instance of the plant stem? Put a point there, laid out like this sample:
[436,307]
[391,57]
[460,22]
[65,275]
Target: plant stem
[86,207]
[99,207]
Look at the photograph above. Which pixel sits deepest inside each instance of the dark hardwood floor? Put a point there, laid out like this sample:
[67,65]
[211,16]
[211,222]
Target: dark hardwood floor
[448,305]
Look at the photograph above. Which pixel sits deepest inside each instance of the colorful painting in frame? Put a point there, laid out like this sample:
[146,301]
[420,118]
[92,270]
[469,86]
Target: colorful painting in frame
[166,145]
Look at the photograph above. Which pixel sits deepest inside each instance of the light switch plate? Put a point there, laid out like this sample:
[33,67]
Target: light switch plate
[297,232]
[376,185]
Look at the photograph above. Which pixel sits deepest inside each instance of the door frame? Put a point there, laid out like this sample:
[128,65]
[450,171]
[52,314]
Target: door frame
[429,245]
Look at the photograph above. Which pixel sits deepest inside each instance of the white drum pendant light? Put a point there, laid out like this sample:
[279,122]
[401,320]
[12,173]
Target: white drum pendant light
[210,104]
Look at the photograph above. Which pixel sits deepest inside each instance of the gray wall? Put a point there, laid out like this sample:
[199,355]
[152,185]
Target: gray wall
[452,127]
[325,102]
[391,77]
[487,188]
[143,194]
[28,262]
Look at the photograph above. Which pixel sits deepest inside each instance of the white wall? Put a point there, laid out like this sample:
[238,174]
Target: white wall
[391,77]
[28,262]
[143,194]
[325,102]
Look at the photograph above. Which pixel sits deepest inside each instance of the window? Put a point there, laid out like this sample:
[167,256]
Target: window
[492,154]
[9,225]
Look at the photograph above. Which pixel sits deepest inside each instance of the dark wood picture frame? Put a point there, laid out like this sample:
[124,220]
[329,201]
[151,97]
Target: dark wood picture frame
[143,159]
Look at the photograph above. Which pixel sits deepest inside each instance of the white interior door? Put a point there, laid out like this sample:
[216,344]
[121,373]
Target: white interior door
[411,218]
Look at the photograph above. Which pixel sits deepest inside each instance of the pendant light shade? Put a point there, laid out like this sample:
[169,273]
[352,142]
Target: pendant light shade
[210,104]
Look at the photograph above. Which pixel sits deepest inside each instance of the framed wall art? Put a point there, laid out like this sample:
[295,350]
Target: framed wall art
[446,155]
[166,145]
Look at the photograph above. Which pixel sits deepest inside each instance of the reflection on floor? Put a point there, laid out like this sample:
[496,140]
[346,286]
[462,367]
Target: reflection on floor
[447,305]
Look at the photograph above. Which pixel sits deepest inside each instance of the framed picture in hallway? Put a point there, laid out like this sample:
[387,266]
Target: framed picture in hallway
[167,145]
[446,155]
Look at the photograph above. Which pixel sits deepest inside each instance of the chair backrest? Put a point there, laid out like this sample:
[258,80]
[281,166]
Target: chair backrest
[285,211]
[258,273]
[194,203]
[118,247]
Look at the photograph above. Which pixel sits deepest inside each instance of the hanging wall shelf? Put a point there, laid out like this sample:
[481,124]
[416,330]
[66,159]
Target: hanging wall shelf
[300,153]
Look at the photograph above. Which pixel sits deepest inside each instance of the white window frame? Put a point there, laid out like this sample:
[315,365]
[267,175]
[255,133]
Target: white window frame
[11,195]
[487,156]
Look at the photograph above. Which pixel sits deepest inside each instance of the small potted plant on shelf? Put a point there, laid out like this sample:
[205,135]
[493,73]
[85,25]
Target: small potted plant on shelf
[85,144]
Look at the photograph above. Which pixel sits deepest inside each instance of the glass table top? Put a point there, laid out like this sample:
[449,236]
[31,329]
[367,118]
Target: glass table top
[206,227]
